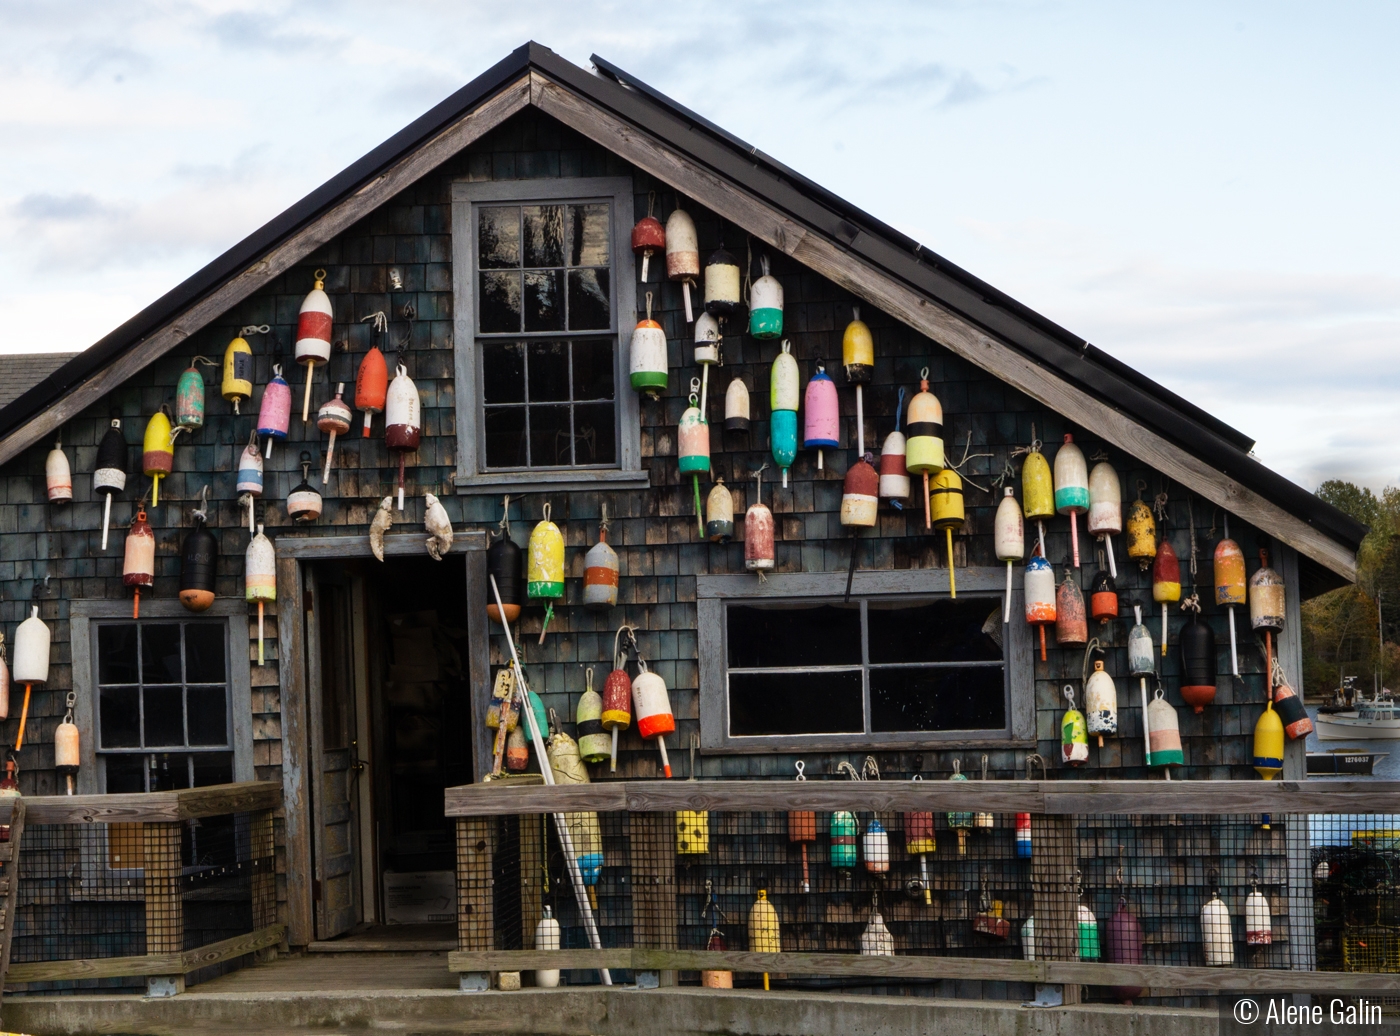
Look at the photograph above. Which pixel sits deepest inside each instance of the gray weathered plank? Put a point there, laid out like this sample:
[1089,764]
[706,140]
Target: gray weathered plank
[155,806]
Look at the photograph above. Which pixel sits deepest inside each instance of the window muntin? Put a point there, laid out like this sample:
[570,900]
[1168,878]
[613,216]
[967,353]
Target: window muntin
[865,667]
[544,293]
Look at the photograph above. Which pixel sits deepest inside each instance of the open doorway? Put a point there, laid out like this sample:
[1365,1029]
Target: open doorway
[390,729]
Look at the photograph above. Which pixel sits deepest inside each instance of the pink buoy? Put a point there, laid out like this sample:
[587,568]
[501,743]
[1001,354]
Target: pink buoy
[275,411]
[822,429]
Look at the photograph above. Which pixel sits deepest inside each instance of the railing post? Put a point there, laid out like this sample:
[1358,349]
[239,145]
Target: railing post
[476,838]
[165,911]
[651,839]
[264,884]
[532,856]
[1054,860]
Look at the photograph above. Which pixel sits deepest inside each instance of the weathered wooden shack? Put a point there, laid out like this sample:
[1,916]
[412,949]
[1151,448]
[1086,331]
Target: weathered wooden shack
[493,236]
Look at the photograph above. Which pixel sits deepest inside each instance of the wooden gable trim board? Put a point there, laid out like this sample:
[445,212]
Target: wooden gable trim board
[953,332]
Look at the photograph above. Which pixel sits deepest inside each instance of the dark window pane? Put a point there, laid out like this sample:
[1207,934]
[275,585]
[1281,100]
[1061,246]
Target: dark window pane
[794,703]
[208,715]
[212,768]
[125,774]
[500,302]
[938,631]
[544,303]
[588,301]
[812,635]
[165,716]
[593,369]
[549,436]
[116,653]
[937,699]
[498,237]
[505,437]
[204,653]
[549,371]
[160,653]
[120,717]
[170,772]
[595,434]
[503,372]
[588,235]
[544,235]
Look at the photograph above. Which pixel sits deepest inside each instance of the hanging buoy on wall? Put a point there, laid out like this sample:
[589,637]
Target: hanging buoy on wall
[275,411]
[304,503]
[1071,488]
[736,406]
[858,359]
[947,515]
[1142,533]
[1296,722]
[1230,586]
[237,383]
[594,744]
[584,829]
[764,932]
[1217,937]
[1103,598]
[1024,844]
[649,364]
[1088,934]
[1268,743]
[67,747]
[719,513]
[694,439]
[1101,703]
[1071,624]
[894,471]
[139,564]
[503,565]
[371,386]
[544,568]
[1009,539]
[842,831]
[1258,921]
[708,340]
[517,755]
[766,305]
[1197,641]
[548,936]
[199,560]
[158,451]
[875,847]
[1163,733]
[600,572]
[758,532]
[189,396]
[1166,583]
[1123,939]
[860,495]
[1039,590]
[617,696]
[876,940]
[1037,491]
[920,840]
[4,681]
[722,297]
[403,419]
[109,477]
[682,256]
[334,419]
[1268,604]
[822,425]
[802,829]
[783,396]
[1142,663]
[260,579]
[1074,735]
[58,475]
[314,334]
[32,641]
[652,705]
[250,475]
[1105,508]
[924,447]
[960,821]
[648,237]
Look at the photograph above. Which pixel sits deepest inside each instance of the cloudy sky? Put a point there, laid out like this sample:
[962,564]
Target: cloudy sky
[1206,190]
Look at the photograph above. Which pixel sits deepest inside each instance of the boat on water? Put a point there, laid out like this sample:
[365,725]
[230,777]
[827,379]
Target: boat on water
[1376,720]
[1352,762]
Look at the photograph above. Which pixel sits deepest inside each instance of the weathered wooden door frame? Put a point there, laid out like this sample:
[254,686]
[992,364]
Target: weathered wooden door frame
[292,553]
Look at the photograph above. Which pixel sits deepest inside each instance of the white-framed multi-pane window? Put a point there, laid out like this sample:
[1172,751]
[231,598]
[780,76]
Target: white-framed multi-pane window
[545,302]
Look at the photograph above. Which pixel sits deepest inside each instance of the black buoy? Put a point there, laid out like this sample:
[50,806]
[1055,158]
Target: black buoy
[199,561]
[503,563]
[109,477]
[1197,662]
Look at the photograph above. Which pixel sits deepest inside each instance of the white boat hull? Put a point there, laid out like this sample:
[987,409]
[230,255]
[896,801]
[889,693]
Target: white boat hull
[1339,727]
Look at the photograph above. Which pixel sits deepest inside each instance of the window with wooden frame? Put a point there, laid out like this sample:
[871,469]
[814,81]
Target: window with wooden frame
[544,307]
[898,664]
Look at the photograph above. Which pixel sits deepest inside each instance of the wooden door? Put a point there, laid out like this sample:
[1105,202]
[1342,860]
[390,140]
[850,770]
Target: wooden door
[330,680]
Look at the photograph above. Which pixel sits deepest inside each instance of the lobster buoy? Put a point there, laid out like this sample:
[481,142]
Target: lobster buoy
[736,406]
[648,237]
[1040,596]
[1071,488]
[594,744]
[1101,703]
[1197,659]
[548,936]
[682,256]
[708,340]
[333,418]
[960,821]
[1009,540]
[503,565]
[722,298]
[584,829]
[371,387]
[1103,598]
[783,396]
[924,445]
[314,334]
[139,564]
[67,751]
[894,469]
[600,569]
[517,750]
[275,410]
[1166,583]
[304,503]
[617,698]
[802,829]
[766,305]
[648,355]
[1105,508]
[158,451]
[652,705]
[1071,624]
[1037,491]
[1268,743]
[822,427]
[765,934]
[860,495]
[1142,663]
[1074,736]
[1142,534]
[403,419]
[109,477]
[1123,939]
[947,514]
[1023,836]
[920,840]
[58,475]
[1163,733]
[250,468]
[189,397]
[237,383]
[875,847]
[694,448]
[758,533]
[842,830]
[1028,939]
[1291,712]
[1230,586]
[876,940]
[199,560]
[858,359]
[32,642]
[1088,934]
[544,568]
[1268,604]
[260,579]
[1258,921]
[719,513]
[1217,936]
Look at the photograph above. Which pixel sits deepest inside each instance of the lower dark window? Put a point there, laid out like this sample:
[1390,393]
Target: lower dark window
[549,404]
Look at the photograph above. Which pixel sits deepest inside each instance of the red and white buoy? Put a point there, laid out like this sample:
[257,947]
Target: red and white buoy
[314,335]
[139,564]
[758,533]
[403,420]
[652,705]
[58,475]
[648,236]
[334,418]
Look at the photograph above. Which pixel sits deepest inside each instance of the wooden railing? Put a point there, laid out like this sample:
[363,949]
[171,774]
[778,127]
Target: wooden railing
[162,818]
[1056,808]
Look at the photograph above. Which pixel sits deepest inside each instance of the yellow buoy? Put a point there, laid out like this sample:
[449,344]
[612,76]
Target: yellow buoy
[238,372]
[1142,534]
[1268,744]
[544,569]
[947,512]
[158,451]
[765,935]
[1037,491]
